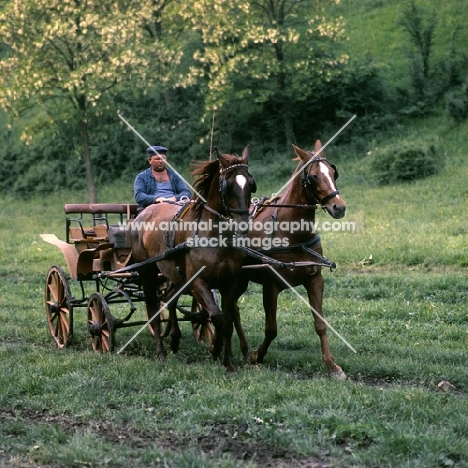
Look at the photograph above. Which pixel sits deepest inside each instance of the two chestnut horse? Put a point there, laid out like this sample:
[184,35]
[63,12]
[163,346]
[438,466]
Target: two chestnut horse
[313,183]
[197,260]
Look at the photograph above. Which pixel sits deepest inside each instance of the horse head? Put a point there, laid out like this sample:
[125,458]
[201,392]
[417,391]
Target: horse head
[318,178]
[236,185]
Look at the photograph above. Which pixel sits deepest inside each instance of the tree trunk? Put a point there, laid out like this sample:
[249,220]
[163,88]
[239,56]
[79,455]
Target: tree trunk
[287,122]
[286,111]
[88,164]
[284,96]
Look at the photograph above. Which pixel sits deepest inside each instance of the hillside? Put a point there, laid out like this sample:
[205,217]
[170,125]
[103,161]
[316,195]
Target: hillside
[372,28]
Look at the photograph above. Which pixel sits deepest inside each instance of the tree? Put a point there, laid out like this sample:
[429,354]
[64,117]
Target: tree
[421,28]
[74,50]
[271,51]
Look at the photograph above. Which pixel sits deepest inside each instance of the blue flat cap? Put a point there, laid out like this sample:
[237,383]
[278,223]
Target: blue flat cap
[152,150]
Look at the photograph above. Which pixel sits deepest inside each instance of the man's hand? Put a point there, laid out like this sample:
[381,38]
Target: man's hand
[162,199]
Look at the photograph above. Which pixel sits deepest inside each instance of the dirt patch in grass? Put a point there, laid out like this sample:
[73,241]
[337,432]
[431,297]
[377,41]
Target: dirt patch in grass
[218,441]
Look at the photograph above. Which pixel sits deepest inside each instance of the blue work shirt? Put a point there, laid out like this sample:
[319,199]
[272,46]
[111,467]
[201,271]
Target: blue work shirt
[146,187]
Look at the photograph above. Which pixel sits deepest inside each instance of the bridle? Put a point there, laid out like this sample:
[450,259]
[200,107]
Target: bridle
[223,189]
[308,181]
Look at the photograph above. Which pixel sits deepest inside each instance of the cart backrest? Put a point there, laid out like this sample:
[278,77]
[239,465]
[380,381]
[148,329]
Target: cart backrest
[87,237]
[100,208]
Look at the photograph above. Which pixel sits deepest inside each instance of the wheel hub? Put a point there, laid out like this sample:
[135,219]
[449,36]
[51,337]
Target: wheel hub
[95,329]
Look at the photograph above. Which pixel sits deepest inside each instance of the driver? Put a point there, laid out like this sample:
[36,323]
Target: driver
[158,184]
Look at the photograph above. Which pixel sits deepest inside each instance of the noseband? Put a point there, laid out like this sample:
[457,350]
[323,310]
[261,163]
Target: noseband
[308,182]
[223,189]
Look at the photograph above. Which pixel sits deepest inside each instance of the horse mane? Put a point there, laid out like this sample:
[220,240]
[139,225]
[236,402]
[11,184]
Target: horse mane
[290,188]
[204,171]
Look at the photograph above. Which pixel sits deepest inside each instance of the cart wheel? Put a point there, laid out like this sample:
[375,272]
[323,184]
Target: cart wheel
[58,307]
[204,331]
[100,324]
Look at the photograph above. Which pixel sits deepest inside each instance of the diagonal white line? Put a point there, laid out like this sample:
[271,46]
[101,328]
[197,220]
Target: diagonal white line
[161,309]
[313,310]
[167,162]
[310,160]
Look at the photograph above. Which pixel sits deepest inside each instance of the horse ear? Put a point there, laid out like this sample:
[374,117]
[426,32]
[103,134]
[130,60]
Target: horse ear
[318,148]
[301,154]
[221,158]
[246,154]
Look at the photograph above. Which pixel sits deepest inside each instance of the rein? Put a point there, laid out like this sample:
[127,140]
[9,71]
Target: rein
[257,205]
[257,254]
[213,211]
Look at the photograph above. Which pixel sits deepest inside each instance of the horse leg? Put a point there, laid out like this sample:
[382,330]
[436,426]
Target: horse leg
[175,333]
[315,292]
[228,360]
[270,305]
[243,343]
[203,295]
[152,303]
[230,310]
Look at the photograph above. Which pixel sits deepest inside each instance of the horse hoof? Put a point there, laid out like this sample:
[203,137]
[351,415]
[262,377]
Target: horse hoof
[338,374]
[174,344]
[215,350]
[215,354]
[254,357]
[230,371]
[162,357]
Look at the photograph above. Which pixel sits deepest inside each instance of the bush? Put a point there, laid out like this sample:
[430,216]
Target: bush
[457,104]
[407,161]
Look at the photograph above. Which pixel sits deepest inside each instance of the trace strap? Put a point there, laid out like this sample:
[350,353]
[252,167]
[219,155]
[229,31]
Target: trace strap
[257,254]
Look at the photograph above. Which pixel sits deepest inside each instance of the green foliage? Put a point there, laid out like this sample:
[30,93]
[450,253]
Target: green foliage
[457,103]
[428,79]
[406,161]
[271,79]
[420,26]
[270,53]
[44,164]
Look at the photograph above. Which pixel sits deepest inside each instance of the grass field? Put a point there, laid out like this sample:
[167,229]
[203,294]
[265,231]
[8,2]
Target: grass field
[399,297]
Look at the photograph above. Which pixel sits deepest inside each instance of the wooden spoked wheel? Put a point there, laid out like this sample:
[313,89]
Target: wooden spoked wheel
[203,331]
[100,324]
[58,307]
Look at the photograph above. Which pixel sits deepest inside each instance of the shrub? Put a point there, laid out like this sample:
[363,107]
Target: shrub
[457,104]
[406,161]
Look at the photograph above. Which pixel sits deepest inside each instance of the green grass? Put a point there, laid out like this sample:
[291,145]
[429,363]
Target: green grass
[405,313]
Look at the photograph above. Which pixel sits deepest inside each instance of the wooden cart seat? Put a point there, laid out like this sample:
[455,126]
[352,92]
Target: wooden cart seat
[87,235]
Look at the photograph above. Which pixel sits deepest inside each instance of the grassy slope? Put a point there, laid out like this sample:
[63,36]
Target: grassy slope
[372,27]
[422,222]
